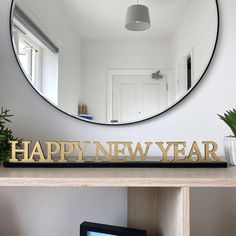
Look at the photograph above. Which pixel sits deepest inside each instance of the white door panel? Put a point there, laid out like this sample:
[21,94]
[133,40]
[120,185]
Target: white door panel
[124,104]
[137,96]
[154,98]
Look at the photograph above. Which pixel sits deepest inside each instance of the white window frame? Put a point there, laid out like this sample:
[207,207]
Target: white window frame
[35,78]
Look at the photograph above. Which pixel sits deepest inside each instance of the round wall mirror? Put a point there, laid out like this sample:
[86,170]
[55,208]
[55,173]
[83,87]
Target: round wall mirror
[114,61]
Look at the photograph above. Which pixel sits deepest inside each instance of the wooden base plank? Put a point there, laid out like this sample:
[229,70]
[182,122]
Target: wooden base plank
[117,165]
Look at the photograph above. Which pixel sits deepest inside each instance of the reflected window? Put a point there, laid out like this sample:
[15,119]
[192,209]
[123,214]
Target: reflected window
[37,54]
[30,56]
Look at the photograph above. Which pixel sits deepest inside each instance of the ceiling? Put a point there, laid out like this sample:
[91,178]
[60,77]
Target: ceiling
[106,18]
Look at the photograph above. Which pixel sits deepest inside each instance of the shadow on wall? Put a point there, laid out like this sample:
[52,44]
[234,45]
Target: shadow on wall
[9,224]
[213,212]
[36,211]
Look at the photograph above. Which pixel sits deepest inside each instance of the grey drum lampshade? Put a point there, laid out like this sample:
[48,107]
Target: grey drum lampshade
[138,18]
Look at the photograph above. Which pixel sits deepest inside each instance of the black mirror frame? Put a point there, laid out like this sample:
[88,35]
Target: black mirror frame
[123,124]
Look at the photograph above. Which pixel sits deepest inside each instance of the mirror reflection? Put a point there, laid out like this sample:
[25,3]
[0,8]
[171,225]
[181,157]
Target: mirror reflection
[114,61]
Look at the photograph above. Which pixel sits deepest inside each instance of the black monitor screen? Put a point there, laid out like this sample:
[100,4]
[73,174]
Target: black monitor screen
[93,229]
[98,234]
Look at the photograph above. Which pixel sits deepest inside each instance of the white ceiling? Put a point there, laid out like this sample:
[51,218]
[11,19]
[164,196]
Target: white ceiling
[106,18]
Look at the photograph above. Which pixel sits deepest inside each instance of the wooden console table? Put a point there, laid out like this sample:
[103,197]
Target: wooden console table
[158,199]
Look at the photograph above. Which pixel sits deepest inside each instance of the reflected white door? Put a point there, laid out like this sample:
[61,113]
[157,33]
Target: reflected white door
[137,96]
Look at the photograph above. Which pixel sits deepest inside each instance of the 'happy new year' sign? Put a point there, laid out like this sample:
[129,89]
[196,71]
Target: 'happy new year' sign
[113,152]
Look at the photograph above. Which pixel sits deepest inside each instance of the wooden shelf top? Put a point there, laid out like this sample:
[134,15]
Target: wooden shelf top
[119,177]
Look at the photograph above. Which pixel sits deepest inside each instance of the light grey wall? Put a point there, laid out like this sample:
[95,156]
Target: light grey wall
[58,211]
[100,55]
[213,212]
[197,34]
[193,119]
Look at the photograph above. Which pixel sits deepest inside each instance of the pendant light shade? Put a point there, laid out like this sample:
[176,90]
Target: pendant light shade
[138,18]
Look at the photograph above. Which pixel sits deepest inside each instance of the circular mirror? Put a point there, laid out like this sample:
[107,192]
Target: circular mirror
[114,61]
